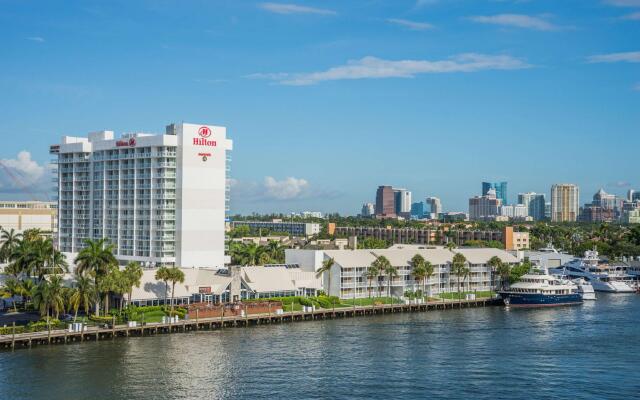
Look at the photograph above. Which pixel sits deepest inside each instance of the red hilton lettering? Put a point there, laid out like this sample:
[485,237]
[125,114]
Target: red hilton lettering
[204,142]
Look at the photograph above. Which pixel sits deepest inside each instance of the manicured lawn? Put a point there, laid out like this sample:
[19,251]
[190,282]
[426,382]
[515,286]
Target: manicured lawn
[152,316]
[287,307]
[461,295]
[369,301]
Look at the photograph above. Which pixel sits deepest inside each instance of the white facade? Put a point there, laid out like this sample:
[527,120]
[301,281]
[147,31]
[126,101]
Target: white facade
[403,201]
[347,278]
[435,206]
[23,215]
[519,211]
[161,199]
[368,210]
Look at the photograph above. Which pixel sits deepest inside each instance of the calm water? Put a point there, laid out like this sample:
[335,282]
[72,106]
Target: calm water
[585,352]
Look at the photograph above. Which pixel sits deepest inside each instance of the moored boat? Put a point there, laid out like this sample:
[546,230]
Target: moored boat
[541,290]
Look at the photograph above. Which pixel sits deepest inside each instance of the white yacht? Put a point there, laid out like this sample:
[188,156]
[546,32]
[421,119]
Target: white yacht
[541,290]
[585,288]
[603,277]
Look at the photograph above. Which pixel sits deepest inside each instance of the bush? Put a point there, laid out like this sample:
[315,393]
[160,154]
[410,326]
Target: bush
[305,301]
[9,330]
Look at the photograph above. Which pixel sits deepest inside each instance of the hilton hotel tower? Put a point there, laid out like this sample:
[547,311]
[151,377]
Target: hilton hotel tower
[160,199]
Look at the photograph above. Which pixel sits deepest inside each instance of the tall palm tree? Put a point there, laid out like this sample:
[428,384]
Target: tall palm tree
[32,235]
[371,273]
[391,273]
[42,298]
[253,254]
[326,267]
[429,270]
[163,274]
[419,270]
[56,293]
[26,288]
[175,275]
[494,263]
[95,260]
[10,240]
[450,245]
[133,273]
[12,288]
[458,268]
[82,295]
[275,251]
[504,270]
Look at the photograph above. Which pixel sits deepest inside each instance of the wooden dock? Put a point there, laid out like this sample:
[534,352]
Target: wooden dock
[59,336]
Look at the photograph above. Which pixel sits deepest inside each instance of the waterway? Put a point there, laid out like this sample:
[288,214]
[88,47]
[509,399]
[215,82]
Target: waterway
[590,351]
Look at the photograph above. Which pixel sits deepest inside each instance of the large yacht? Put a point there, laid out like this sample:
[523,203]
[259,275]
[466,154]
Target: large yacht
[603,277]
[541,290]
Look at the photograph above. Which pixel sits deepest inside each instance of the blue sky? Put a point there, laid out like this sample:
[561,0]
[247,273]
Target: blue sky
[326,100]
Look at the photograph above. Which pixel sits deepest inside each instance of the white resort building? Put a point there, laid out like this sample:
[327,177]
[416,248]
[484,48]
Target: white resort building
[348,275]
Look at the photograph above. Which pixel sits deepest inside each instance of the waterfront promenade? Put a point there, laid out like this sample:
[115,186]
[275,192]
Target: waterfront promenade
[63,336]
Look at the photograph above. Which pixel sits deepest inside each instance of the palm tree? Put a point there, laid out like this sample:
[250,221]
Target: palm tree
[82,295]
[371,273]
[450,245]
[10,240]
[419,270]
[95,259]
[56,294]
[42,298]
[275,251]
[458,268]
[504,270]
[12,288]
[32,235]
[494,263]
[26,288]
[163,274]
[253,254]
[133,273]
[175,275]
[326,267]
[429,270]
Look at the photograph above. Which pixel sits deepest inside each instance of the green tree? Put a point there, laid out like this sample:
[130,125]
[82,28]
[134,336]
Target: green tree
[370,274]
[163,274]
[10,241]
[429,270]
[494,263]
[503,270]
[275,251]
[419,270]
[133,273]
[82,295]
[12,288]
[175,275]
[95,260]
[326,268]
[458,268]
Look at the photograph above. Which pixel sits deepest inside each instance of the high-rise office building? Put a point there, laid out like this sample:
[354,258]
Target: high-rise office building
[402,201]
[565,200]
[160,199]
[535,203]
[368,210]
[435,206]
[418,210]
[484,208]
[385,201]
[499,187]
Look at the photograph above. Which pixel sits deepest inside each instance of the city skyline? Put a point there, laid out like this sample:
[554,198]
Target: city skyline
[493,91]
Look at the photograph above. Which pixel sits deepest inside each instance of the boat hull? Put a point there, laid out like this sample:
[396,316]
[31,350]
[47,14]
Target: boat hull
[539,300]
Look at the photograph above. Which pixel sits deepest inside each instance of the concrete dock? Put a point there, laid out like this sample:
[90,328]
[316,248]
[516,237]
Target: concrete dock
[59,336]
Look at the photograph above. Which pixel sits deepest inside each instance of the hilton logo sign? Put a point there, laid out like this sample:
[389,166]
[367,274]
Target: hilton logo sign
[130,143]
[204,133]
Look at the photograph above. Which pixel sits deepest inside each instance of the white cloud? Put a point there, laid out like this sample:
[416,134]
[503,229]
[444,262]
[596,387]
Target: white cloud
[632,17]
[377,68]
[413,25]
[286,189]
[516,20]
[282,8]
[631,56]
[21,173]
[624,3]
[272,189]
[36,39]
